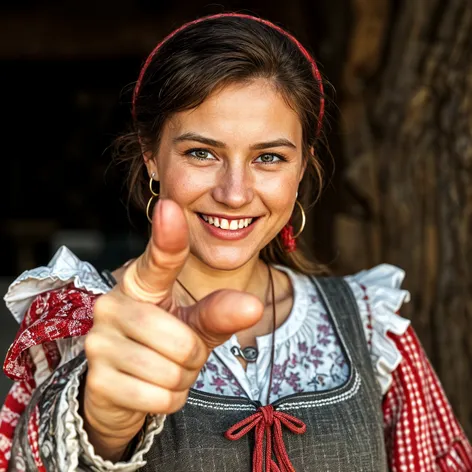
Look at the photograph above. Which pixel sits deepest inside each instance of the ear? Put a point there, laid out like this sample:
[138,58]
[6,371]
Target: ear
[150,164]
[304,164]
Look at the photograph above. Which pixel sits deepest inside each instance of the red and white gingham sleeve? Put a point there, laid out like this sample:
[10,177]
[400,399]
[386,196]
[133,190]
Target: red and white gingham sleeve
[53,306]
[421,431]
[34,354]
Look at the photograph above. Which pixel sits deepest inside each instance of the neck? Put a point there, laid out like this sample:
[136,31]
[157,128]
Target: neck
[200,279]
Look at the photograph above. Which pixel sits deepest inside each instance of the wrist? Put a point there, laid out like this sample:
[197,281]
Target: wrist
[114,448]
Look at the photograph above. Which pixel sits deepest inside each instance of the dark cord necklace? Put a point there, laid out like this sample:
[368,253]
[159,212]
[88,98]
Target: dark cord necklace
[250,353]
[266,421]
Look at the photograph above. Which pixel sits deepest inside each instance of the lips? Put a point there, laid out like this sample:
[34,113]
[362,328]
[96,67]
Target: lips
[226,223]
[228,234]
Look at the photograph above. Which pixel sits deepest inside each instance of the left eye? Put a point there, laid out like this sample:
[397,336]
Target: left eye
[269,158]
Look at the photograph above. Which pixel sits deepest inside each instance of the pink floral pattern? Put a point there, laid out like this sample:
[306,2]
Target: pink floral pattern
[219,378]
[316,366]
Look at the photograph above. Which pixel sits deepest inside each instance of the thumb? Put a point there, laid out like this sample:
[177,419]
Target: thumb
[221,314]
[151,276]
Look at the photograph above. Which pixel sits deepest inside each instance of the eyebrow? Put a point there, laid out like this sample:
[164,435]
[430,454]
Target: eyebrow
[280,142]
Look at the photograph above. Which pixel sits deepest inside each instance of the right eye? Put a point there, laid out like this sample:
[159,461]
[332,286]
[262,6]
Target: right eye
[200,154]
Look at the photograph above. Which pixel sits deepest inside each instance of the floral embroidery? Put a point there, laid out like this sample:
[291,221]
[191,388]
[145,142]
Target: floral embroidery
[315,366]
[319,367]
[215,377]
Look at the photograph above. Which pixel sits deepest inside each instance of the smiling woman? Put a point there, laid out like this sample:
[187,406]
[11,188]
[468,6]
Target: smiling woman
[254,100]
[222,326]
[250,168]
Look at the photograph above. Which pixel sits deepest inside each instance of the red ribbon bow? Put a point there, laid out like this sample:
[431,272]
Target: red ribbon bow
[268,423]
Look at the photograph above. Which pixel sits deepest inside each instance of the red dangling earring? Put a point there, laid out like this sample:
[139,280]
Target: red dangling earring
[286,234]
[289,242]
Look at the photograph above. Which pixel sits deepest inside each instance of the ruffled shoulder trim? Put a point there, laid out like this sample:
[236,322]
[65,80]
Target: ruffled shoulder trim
[64,268]
[379,296]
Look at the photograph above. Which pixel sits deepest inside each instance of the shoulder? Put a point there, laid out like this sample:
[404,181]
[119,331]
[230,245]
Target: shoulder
[53,305]
[379,294]
[64,269]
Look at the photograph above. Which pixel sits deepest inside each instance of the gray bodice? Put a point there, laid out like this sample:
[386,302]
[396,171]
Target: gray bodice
[344,425]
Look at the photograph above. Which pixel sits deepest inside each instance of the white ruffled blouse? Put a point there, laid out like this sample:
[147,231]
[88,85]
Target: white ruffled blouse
[308,354]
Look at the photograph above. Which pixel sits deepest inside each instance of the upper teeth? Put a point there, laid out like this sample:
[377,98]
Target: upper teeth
[227,224]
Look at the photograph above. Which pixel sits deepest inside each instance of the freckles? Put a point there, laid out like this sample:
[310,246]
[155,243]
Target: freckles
[184,185]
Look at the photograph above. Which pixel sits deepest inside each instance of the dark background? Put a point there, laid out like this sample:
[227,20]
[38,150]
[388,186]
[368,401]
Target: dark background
[68,69]
[399,130]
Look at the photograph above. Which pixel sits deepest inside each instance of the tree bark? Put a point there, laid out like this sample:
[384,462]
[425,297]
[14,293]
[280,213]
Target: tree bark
[408,152]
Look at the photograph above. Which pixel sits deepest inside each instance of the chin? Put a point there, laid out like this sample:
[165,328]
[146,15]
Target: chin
[224,258]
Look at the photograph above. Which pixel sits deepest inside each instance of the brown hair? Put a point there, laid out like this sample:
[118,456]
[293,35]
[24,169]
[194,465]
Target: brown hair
[205,55]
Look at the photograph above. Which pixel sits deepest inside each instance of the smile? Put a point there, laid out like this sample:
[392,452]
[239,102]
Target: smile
[228,229]
[223,223]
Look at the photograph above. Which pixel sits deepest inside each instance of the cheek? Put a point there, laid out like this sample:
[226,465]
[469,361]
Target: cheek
[183,185]
[278,191]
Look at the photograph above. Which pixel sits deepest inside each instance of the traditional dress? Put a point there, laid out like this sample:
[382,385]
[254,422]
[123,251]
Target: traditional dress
[347,366]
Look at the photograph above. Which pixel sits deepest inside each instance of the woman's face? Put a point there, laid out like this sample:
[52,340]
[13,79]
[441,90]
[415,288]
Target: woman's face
[234,161]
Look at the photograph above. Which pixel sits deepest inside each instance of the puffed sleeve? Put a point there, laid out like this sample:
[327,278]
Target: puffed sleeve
[54,306]
[379,298]
[421,431]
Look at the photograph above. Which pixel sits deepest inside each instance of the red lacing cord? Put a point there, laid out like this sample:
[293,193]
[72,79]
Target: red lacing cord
[268,424]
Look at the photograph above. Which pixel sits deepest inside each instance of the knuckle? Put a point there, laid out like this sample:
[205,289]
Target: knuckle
[159,260]
[137,357]
[139,317]
[188,349]
[101,305]
[96,385]
[104,308]
[169,402]
[175,376]
[93,345]
[178,400]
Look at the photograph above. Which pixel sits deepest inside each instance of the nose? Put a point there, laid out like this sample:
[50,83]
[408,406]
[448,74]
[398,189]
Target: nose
[234,188]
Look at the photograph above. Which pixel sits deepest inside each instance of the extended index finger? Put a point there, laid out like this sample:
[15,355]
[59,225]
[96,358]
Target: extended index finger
[151,276]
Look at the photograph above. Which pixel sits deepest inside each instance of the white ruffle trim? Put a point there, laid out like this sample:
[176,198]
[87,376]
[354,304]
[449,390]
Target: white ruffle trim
[381,285]
[65,267]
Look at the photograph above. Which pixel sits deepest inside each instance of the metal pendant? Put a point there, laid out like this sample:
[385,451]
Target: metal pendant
[249,354]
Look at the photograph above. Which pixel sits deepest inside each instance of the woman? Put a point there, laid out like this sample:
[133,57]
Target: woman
[217,348]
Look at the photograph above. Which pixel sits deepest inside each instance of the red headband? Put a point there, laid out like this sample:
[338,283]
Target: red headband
[314,67]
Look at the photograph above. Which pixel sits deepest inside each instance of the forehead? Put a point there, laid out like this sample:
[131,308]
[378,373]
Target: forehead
[252,112]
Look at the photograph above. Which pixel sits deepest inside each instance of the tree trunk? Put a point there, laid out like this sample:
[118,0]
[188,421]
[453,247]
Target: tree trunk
[408,156]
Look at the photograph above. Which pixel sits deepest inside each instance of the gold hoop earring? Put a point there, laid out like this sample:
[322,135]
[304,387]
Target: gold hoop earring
[154,195]
[302,227]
